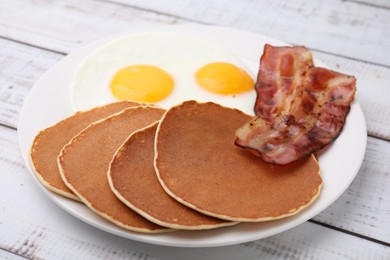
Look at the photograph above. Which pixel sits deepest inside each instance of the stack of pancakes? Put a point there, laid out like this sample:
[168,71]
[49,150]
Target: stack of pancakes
[150,170]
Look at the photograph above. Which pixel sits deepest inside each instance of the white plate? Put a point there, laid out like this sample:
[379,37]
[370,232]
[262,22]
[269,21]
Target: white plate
[49,101]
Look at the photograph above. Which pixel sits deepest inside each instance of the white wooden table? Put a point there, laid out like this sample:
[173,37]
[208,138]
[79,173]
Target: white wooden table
[352,36]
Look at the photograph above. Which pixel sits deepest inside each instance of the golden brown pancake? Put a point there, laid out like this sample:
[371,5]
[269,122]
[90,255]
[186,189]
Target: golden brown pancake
[49,142]
[133,180]
[85,160]
[198,164]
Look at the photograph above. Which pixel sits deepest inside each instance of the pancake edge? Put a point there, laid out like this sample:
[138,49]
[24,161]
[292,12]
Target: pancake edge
[48,186]
[39,176]
[230,218]
[85,201]
[148,216]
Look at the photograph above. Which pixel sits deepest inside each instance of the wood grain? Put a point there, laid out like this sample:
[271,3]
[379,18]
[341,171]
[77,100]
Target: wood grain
[350,36]
[382,4]
[20,68]
[362,206]
[318,26]
[6,255]
[314,24]
[62,26]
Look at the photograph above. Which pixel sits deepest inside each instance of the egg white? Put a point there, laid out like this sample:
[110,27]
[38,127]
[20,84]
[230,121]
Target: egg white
[178,54]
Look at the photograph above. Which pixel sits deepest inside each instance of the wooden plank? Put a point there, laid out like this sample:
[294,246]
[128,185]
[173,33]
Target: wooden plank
[5,255]
[31,240]
[20,67]
[373,3]
[317,25]
[64,25]
[364,208]
[50,232]
[51,24]
[309,241]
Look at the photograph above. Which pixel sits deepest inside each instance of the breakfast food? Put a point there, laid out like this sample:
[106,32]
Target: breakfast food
[198,165]
[164,68]
[152,170]
[84,163]
[300,108]
[133,180]
[49,142]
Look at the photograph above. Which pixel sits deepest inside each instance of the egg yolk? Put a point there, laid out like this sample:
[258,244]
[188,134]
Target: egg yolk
[224,78]
[142,83]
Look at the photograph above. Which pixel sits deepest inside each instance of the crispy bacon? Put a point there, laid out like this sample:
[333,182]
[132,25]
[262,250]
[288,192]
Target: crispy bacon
[279,80]
[300,108]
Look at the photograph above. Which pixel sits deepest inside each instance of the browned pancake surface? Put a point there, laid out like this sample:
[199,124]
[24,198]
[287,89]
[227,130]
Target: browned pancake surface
[199,165]
[49,142]
[84,164]
[133,179]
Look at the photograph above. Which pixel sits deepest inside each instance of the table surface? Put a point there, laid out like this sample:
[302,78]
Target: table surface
[351,36]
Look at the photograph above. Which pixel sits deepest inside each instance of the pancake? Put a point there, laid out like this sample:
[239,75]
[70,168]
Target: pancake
[49,142]
[85,160]
[198,164]
[133,180]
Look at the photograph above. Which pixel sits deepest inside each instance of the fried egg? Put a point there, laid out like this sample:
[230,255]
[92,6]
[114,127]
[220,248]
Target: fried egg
[163,68]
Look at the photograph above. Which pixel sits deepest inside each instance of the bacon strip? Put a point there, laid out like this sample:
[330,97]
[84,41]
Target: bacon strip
[279,80]
[300,108]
